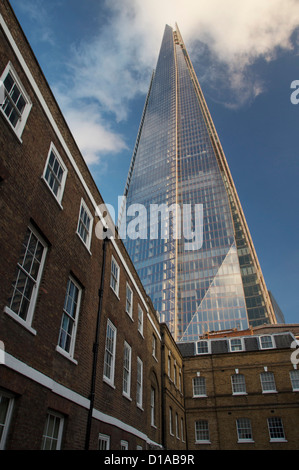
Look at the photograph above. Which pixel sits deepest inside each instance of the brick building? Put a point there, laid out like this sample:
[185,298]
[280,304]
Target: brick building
[84,361]
[77,327]
[242,390]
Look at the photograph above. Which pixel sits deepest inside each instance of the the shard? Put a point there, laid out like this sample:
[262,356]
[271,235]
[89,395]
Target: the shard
[182,221]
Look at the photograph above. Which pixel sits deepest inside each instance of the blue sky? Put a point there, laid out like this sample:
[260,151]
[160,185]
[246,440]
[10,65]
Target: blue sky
[98,57]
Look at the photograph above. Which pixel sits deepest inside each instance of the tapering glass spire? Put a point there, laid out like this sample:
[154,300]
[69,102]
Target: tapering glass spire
[198,265]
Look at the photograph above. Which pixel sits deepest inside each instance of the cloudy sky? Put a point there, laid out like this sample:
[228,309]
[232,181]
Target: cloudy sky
[98,56]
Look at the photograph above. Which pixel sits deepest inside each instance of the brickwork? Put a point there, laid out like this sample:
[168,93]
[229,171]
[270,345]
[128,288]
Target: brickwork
[221,405]
[62,357]
[62,379]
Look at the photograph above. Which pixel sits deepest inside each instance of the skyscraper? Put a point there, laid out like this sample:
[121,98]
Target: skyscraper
[198,263]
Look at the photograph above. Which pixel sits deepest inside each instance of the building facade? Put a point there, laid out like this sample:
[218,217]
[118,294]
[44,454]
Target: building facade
[241,390]
[85,363]
[80,340]
[197,263]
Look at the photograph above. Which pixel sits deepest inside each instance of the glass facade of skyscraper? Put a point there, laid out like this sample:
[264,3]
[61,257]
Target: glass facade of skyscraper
[179,172]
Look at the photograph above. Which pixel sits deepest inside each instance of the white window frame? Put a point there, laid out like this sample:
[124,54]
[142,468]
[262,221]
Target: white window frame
[27,322]
[140,320]
[61,184]
[114,278]
[272,428]
[127,370]
[153,403]
[265,383]
[124,445]
[177,426]
[110,354]
[129,301]
[72,320]
[7,418]
[20,125]
[154,346]
[200,387]
[244,424]
[169,365]
[170,422]
[57,439]
[207,344]
[235,348]
[104,438]
[86,242]
[238,384]
[294,380]
[204,429]
[262,346]
[139,388]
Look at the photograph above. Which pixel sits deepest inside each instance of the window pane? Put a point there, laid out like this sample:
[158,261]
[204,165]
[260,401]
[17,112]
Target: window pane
[199,386]
[26,275]
[238,383]
[275,428]
[202,431]
[266,342]
[202,347]
[294,374]
[244,428]
[52,432]
[268,382]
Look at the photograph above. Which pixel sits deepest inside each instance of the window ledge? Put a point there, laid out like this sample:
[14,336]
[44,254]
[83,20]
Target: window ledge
[202,442]
[126,396]
[245,441]
[66,354]
[108,382]
[19,320]
[130,315]
[50,190]
[278,440]
[83,243]
[115,293]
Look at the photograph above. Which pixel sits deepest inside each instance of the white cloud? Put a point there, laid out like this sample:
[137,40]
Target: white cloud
[115,65]
[93,136]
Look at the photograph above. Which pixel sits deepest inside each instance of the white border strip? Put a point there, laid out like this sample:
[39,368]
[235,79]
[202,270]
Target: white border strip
[64,145]
[45,381]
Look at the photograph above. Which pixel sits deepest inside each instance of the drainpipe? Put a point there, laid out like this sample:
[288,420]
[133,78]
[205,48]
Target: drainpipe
[96,347]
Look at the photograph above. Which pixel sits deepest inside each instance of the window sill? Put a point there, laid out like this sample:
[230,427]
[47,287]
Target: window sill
[66,355]
[11,127]
[108,382]
[202,442]
[130,315]
[114,292]
[50,190]
[83,243]
[245,441]
[19,320]
[126,396]
[278,440]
